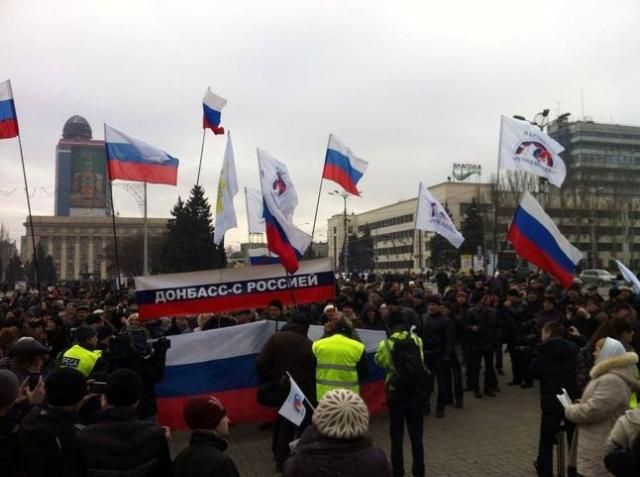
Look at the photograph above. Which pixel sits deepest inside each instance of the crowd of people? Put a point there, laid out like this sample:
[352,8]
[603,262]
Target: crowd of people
[78,369]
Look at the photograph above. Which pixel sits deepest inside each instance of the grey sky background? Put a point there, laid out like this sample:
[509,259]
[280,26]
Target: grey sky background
[410,86]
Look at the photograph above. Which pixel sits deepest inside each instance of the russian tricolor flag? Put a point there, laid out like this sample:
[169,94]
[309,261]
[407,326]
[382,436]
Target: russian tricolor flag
[130,159]
[8,116]
[223,362]
[536,238]
[342,166]
[212,105]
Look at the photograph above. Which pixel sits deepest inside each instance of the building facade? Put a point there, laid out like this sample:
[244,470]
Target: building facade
[79,245]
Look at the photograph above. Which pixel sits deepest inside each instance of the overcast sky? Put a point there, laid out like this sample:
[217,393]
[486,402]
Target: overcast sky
[410,86]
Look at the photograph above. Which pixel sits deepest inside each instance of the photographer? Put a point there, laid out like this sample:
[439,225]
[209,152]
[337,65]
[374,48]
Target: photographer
[131,349]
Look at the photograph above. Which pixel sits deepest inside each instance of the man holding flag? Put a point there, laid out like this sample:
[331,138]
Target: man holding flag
[287,357]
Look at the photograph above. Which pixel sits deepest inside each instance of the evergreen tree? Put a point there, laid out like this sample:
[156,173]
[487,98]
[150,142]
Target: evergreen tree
[189,245]
[360,254]
[46,268]
[15,271]
[472,229]
[443,254]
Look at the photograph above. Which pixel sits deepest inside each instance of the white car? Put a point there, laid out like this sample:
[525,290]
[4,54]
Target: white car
[598,277]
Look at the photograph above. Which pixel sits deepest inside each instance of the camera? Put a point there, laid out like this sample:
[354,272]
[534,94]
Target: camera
[160,345]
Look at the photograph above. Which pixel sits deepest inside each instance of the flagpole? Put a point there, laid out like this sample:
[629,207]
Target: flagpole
[113,216]
[495,207]
[33,234]
[146,240]
[204,130]
[315,216]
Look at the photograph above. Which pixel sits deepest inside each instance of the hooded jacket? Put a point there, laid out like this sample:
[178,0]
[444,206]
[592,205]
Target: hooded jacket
[625,430]
[605,398]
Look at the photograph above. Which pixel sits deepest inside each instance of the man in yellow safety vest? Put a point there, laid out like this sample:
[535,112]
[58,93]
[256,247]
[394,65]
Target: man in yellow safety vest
[81,355]
[341,361]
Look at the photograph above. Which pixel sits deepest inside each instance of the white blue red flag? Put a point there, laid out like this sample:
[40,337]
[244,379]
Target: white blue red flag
[131,159]
[342,166]
[293,408]
[212,105]
[8,116]
[279,202]
[262,256]
[537,239]
[524,147]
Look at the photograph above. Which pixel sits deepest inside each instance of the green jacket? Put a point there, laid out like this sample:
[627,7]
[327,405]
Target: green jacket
[383,355]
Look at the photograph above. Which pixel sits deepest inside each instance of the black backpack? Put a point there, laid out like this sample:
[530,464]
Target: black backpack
[409,376]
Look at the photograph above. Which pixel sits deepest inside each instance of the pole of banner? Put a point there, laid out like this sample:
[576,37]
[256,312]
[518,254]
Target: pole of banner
[204,130]
[113,217]
[496,200]
[146,239]
[33,234]
[315,216]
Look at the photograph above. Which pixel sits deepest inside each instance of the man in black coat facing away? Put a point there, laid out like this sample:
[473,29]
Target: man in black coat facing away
[555,367]
[289,351]
[205,456]
[119,443]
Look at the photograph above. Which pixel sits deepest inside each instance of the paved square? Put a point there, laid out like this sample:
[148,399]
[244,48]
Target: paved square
[489,437]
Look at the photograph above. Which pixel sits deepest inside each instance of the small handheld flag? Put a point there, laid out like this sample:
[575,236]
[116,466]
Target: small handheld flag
[293,408]
[8,117]
[130,159]
[536,238]
[342,166]
[212,105]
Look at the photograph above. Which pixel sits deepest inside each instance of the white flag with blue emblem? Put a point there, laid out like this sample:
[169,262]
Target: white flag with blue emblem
[432,217]
[629,277]
[524,147]
[293,408]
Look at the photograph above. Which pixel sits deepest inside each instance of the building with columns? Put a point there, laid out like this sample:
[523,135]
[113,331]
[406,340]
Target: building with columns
[79,244]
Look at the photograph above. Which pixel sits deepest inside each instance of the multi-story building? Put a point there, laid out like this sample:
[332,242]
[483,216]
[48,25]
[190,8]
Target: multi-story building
[79,245]
[599,204]
[397,246]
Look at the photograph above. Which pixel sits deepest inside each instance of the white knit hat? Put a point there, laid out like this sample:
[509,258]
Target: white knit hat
[342,414]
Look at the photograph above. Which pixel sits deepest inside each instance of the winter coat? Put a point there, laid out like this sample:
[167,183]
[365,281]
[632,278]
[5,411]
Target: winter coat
[204,457]
[289,350]
[10,462]
[605,398]
[45,436]
[119,444]
[485,338]
[555,367]
[437,334]
[320,456]
[625,430]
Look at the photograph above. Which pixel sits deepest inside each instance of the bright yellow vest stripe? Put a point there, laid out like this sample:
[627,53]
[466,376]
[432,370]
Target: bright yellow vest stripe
[80,358]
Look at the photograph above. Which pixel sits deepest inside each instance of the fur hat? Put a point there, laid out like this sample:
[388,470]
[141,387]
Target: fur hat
[203,412]
[342,414]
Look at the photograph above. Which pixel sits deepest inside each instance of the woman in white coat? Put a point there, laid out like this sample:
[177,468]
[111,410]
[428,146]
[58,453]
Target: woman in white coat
[603,401]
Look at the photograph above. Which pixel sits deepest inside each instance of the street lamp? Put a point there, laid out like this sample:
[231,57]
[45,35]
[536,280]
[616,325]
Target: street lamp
[345,250]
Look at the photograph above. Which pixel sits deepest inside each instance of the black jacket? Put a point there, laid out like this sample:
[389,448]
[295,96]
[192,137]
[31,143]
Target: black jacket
[204,457]
[555,367]
[10,462]
[45,436]
[485,337]
[320,456]
[120,444]
[437,335]
[289,350]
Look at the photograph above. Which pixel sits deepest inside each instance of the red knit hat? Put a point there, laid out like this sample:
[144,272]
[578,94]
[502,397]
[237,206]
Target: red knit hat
[203,412]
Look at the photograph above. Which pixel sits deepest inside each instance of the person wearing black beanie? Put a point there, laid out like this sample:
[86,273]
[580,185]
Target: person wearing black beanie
[46,433]
[119,441]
